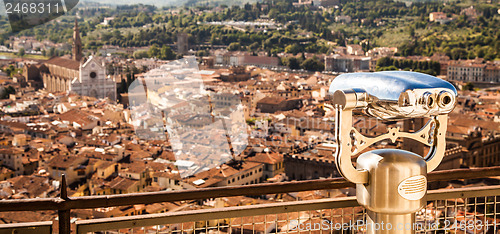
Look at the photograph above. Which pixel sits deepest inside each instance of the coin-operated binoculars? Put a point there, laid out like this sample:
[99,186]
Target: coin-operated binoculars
[390,183]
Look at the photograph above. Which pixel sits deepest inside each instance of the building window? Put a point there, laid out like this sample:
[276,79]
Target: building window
[93,75]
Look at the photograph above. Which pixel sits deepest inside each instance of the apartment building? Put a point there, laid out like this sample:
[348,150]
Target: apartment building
[347,63]
[470,71]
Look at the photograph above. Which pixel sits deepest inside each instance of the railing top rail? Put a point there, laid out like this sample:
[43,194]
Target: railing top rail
[22,228]
[88,202]
[25,225]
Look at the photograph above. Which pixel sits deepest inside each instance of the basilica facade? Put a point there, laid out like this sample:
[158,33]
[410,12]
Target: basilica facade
[92,81]
[83,76]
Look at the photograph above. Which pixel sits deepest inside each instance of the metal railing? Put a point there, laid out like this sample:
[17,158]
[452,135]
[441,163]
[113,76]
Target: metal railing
[441,213]
[471,210]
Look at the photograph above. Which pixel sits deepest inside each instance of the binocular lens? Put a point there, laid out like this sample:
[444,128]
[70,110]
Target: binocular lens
[445,99]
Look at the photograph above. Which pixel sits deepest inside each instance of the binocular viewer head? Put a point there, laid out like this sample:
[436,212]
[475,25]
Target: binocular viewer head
[393,95]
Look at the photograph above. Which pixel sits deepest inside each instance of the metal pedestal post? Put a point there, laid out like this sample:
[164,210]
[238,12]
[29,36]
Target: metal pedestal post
[378,223]
[395,190]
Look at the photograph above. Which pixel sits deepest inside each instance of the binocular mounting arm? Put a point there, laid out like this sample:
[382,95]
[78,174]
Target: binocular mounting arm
[351,142]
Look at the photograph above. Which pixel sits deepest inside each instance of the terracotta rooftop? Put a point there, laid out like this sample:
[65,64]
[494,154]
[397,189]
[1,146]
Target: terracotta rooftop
[4,170]
[272,100]
[266,157]
[32,186]
[64,62]
[63,161]
[78,116]
[122,183]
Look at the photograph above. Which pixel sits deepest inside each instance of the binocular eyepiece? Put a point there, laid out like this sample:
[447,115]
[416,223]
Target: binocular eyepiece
[394,95]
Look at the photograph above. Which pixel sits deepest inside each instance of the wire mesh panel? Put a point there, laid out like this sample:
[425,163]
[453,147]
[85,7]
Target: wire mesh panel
[469,215]
[472,215]
[343,220]
[469,210]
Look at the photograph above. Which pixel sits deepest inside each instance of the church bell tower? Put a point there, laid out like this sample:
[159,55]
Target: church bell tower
[77,43]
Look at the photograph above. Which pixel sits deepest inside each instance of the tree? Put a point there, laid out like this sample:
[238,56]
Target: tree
[52,52]
[140,54]
[293,63]
[254,46]
[21,52]
[234,46]
[469,86]
[6,92]
[384,62]
[293,49]
[167,53]
[458,53]
[313,64]
[154,51]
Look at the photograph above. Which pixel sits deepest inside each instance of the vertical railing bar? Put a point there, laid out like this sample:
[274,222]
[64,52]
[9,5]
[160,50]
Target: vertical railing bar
[64,215]
[230,225]
[364,217]
[435,216]
[276,223]
[241,224]
[310,220]
[287,222]
[495,214]
[331,221]
[483,215]
[324,215]
[455,208]
[342,219]
[218,225]
[300,216]
[253,224]
[353,215]
[425,218]
[475,212]
[265,222]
